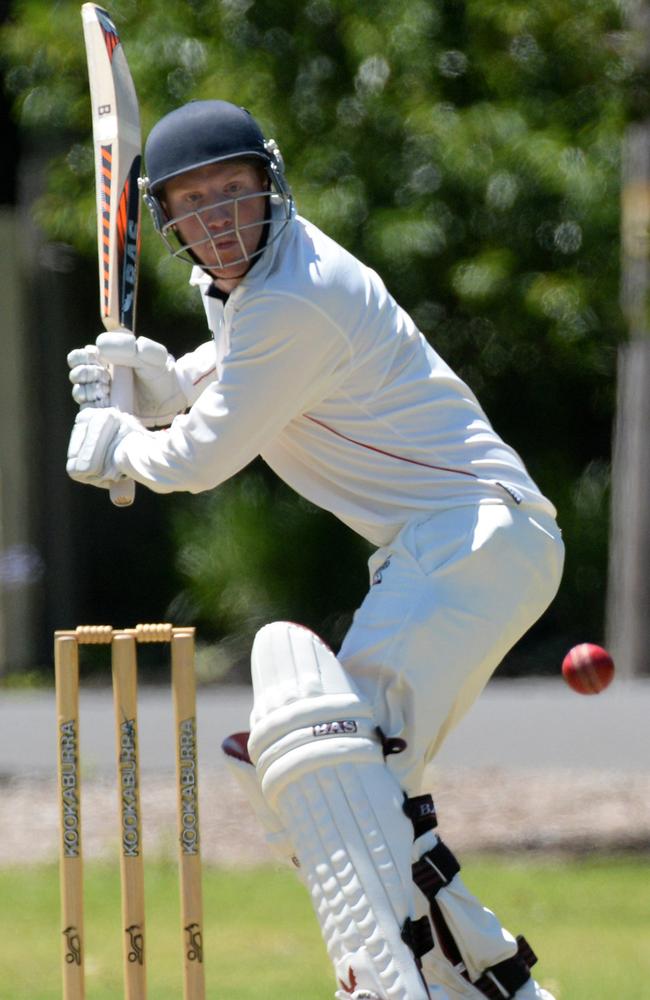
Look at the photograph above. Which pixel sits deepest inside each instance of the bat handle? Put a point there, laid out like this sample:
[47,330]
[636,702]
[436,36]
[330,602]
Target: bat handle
[122,492]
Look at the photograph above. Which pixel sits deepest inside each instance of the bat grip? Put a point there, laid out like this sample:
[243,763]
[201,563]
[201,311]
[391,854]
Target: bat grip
[122,492]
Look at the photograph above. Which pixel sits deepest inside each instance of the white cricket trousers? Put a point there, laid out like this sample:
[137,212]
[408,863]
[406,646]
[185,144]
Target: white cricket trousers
[449,596]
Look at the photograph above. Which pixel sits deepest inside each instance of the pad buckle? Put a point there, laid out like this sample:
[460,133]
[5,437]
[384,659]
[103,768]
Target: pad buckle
[390,744]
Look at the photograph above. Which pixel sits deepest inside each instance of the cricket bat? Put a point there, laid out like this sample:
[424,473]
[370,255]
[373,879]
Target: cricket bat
[118,151]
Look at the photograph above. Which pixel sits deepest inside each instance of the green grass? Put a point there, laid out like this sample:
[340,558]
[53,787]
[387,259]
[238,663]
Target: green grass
[588,920]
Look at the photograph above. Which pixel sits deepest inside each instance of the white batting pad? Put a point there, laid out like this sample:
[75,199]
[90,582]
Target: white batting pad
[322,771]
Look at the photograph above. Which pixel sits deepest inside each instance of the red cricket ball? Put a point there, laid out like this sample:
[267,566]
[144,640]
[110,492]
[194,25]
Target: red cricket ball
[588,668]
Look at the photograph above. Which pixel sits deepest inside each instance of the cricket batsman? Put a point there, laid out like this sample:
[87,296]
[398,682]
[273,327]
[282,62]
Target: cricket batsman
[314,366]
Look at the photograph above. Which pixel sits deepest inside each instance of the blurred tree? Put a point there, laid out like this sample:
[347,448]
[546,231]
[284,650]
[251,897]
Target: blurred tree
[469,151]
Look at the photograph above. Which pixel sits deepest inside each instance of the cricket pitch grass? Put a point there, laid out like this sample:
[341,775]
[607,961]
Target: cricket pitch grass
[587,919]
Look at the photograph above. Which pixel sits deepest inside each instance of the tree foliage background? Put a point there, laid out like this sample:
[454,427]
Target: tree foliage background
[469,151]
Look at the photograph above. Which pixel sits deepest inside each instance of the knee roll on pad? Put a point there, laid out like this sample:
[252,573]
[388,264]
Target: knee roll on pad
[321,769]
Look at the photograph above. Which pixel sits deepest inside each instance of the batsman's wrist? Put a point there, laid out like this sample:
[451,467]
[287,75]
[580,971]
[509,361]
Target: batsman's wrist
[131,429]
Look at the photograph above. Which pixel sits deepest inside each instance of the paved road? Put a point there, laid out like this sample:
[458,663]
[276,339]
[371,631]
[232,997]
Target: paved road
[526,724]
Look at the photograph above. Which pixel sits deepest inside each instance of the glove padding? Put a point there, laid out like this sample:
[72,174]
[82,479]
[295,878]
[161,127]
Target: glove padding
[95,436]
[157,393]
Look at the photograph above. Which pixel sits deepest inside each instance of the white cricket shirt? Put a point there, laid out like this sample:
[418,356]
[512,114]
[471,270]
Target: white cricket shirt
[315,367]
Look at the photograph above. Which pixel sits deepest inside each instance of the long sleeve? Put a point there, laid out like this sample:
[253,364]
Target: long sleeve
[196,369]
[284,355]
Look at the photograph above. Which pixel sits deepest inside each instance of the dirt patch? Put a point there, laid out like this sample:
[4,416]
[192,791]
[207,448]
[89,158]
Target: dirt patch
[479,810]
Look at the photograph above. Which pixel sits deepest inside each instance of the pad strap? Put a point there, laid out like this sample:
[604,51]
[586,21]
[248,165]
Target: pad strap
[422,814]
[390,744]
[417,934]
[434,870]
[501,981]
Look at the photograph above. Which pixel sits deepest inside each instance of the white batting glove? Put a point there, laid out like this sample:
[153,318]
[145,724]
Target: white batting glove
[91,380]
[157,393]
[95,436]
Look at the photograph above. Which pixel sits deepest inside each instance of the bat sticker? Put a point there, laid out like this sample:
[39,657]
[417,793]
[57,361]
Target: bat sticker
[128,239]
[107,176]
[109,31]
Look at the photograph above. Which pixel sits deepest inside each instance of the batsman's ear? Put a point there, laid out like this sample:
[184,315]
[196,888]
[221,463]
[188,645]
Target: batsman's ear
[153,204]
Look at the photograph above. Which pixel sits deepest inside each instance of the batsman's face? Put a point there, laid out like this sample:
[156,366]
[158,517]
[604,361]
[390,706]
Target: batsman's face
[218,212]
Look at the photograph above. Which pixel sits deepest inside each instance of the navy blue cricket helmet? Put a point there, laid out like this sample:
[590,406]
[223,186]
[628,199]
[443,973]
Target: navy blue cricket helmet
[198,134]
